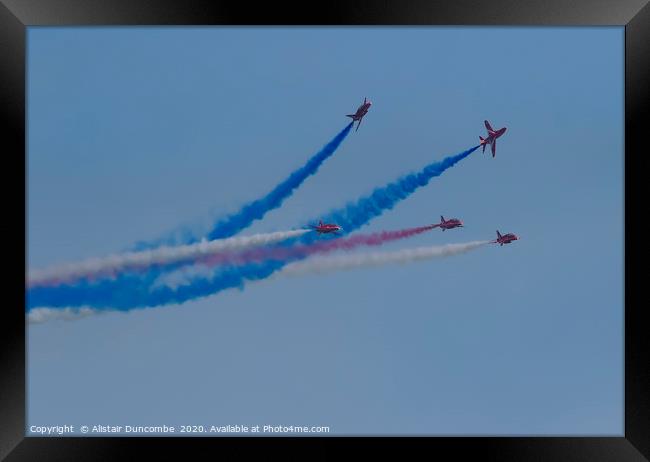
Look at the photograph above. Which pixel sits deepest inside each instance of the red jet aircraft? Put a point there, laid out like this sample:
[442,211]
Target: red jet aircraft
[362,111]
[449,224]
[504,239]
[492,137]
[326,228]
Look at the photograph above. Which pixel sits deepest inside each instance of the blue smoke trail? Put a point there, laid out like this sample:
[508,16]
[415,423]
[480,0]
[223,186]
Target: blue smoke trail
[242,219]
[130,291]
[255,210]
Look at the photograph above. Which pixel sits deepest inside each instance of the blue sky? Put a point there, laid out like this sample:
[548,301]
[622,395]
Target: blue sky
[135,132]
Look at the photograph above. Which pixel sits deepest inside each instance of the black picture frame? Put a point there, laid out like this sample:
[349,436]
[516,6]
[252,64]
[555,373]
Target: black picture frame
[634,15]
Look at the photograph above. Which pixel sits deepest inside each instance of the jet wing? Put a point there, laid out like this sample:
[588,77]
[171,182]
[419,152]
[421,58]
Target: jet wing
[494,148]
[488,126]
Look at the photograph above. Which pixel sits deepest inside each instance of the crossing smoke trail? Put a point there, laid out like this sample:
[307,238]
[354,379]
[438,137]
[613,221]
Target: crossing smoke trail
[203,266]
[238,221]
[128,287]
[357,214]
[323,264]
[128,292]
[303,251]
[313,265]
[134,261]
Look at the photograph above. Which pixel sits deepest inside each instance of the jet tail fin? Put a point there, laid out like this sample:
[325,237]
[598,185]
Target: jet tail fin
[498,234]
[350,115]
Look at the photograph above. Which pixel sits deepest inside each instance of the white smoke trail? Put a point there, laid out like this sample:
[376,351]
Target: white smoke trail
[183,276]
[40,315]
[161,255]
[341,262]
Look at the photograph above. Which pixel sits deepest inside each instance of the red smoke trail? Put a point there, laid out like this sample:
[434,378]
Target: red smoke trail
[302,251]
